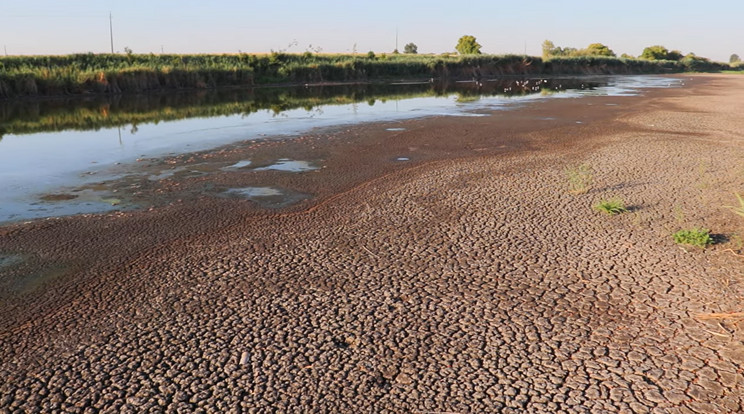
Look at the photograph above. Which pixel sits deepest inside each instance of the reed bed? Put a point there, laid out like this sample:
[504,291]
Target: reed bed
[80,74]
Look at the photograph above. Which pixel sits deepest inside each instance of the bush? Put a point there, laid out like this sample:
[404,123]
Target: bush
[693,237]
[612,206]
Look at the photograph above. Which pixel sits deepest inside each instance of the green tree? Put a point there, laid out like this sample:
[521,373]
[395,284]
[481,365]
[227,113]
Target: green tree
[548,49]
[627,56]
[598,49]
[660,53]
[734,58]
[674,55]
[697,63]
[467,45]
[410,48]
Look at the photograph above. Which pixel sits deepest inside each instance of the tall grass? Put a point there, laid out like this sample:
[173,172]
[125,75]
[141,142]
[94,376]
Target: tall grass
[135,73]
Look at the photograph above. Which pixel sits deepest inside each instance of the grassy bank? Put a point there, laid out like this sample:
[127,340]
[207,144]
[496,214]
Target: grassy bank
[23,76]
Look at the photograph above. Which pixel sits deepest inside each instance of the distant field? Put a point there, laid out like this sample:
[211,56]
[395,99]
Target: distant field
[23,76]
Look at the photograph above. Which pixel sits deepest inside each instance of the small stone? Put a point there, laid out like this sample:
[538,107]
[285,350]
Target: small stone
[403,378]
[245,358]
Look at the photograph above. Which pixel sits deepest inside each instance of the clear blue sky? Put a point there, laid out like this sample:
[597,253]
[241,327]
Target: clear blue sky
[711,28]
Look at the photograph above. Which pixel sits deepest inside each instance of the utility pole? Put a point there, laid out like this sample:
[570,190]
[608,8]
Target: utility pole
[396,38]
[6,49]
[111,33]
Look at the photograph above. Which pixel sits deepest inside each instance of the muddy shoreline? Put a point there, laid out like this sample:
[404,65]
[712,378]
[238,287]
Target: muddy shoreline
[464,278]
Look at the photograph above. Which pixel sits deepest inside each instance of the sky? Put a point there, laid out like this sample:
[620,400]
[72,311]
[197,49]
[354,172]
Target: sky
[711,28]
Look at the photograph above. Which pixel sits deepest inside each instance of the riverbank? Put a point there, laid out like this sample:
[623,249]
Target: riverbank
[113,74]
[464,279]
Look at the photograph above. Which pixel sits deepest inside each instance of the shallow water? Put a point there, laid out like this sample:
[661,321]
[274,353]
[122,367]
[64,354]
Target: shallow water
[267,197]
[238,165]
[289,166]
[7,260]
[72,146]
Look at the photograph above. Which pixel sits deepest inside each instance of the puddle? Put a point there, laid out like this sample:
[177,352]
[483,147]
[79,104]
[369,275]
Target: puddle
[402,159]
[289,166]
[30,282]
[267,197]
[395,129]
[166,174]
[84,201]
[253,192]
[7,260]
[237,165]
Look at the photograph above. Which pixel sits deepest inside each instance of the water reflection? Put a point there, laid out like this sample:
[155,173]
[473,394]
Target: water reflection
[289,166]
[129,112]
[267,197]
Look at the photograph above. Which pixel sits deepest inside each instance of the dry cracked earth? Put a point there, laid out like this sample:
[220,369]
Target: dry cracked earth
[471,281]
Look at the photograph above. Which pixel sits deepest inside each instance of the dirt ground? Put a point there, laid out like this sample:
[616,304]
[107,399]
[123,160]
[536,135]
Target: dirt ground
[430,265]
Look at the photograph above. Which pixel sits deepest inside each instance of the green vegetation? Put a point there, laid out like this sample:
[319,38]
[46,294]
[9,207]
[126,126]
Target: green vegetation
[734,59]
[612,206]
[410,48]
[658,59]
[84,74]
[467,45]
[550,50]
[660,53]
[579,179]
[694,237]
[598,49]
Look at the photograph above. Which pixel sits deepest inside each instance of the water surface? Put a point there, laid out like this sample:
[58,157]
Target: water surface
[53,153]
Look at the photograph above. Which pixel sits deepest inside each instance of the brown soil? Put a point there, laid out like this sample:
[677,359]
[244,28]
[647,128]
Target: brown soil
[467,279]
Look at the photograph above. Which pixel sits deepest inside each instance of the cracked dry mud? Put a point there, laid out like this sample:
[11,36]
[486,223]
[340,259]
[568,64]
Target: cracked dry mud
[471,281]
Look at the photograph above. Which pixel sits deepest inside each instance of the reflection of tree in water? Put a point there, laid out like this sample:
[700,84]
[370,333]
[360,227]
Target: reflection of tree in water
[121,110]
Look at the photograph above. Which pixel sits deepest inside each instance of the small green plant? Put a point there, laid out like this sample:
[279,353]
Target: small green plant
[740,208]
[579,179]
[694,237]
[612,206]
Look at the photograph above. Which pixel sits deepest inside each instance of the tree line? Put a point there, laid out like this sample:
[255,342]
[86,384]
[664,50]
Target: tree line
[468,45]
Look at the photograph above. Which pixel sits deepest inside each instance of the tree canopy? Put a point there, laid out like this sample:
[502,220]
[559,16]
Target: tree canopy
[598,49]
[549,49]
[734,58]
[467,45]
[410,48]
[660,53]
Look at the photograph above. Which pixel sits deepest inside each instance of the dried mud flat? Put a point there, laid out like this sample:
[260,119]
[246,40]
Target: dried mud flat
[468,280]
